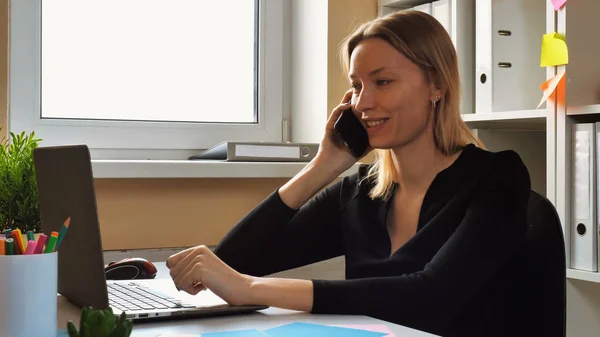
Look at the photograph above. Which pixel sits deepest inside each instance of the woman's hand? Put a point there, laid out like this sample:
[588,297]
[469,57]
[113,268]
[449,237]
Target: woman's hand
[198,268]
[332,149]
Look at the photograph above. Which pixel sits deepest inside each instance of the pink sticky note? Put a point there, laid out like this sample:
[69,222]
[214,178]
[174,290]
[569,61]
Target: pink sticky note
[371,327]
[558,4]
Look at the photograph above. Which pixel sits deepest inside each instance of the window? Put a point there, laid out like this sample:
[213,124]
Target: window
[176,75]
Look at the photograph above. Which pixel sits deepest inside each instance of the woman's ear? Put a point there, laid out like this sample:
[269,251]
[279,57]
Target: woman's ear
[436,95]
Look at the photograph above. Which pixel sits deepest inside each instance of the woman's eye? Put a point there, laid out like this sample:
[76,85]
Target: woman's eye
[355,87]
[383,82]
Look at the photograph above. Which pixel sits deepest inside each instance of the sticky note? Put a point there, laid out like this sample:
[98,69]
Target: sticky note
[556,84]
[301,329]
[558,4]
[554,50]
[235,333]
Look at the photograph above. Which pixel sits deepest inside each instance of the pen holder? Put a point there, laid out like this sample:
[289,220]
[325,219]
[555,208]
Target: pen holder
[28,290]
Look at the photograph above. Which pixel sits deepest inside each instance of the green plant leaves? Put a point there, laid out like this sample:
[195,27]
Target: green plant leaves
[100,323]
[19,205]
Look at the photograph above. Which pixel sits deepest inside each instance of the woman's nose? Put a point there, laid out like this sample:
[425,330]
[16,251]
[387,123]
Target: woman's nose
[364,101]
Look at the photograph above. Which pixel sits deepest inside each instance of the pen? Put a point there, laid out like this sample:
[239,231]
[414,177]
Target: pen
[10,246]
[16,250]
[30,236]
[19,240]
[51,242]
[40,244]
[2,246]
[63,231]
[7,232]
[30,247]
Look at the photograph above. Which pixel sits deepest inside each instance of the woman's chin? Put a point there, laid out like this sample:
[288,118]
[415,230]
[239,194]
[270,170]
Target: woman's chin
[382,144]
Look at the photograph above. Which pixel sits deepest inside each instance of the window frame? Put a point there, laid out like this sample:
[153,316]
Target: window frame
[123,139]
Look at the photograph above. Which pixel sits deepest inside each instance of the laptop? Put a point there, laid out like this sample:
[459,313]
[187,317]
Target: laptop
[66,189]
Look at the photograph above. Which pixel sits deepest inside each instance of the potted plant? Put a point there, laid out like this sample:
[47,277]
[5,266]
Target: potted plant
[19,205]
[100,323]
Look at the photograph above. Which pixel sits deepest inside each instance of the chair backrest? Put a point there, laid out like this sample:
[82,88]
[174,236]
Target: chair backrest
[546,263]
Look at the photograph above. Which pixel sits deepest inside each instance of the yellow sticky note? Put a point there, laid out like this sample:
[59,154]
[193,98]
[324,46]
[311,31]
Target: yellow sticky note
[554,50]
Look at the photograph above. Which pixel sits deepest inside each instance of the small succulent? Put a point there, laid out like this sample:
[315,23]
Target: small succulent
[100,323]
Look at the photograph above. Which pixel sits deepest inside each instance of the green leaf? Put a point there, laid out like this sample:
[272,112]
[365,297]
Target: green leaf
[72,330]
[85,331]
[85,313]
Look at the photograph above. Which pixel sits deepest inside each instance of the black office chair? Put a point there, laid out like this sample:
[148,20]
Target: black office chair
[546,267]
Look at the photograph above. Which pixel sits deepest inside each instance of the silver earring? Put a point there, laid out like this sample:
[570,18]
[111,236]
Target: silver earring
[434,102]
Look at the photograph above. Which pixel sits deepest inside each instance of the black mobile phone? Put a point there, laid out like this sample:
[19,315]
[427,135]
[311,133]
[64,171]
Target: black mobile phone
[352,132]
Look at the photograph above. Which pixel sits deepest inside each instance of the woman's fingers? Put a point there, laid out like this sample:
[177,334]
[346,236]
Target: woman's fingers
[177,268]
[197,288]
[347,96]
[189,278]
[344,105]
[187,261]
[174,259]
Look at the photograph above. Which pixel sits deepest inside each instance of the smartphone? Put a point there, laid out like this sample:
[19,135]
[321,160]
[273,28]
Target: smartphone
[352,132]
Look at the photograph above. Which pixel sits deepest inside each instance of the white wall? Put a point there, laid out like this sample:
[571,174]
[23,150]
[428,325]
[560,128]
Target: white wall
[308,69]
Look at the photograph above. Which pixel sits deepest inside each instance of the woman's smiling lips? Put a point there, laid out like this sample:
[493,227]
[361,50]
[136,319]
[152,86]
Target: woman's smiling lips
[374,125]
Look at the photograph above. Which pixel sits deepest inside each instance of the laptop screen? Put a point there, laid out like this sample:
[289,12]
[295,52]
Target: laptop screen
[66,189]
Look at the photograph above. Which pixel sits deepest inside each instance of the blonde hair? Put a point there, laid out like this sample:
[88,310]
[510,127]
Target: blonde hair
[425,42]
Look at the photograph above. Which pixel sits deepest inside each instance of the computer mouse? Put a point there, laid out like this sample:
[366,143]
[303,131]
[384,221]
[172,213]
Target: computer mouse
[134,268]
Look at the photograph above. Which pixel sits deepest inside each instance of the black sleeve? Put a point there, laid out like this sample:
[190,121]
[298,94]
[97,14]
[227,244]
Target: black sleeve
[274,237]
[491,231]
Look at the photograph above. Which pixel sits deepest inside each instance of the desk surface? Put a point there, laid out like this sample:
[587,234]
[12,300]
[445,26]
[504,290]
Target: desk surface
[260,320]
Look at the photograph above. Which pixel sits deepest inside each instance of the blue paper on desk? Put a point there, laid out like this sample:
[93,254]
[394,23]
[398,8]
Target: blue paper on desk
[231,333]
[301,329]
[235,333]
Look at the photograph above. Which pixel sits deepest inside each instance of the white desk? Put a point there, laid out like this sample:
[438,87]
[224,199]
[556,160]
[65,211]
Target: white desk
[260,320]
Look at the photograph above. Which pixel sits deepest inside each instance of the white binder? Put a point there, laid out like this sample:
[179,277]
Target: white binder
[425,8]
[458,17]
[583,227]
[596,184]
[259,151]
[507,54]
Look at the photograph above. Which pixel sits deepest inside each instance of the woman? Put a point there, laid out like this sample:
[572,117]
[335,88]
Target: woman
[429,231]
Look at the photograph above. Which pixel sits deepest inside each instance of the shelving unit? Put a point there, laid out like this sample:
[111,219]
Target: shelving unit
[583,275]
[516,120]
[590,109]
[578,22]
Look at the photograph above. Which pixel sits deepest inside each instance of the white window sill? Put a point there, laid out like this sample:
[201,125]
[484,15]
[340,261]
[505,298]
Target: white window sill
[103,168]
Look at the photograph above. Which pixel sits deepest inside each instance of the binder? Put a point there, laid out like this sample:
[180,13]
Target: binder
[583,229]
[441,11]
[596,184]
[507,54]
[259,152]
[458,17]
[425,8]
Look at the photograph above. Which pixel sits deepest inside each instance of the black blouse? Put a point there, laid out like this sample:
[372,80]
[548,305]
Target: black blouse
[454,277]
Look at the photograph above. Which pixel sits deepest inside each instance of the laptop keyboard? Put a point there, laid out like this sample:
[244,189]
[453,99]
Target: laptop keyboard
[133,297]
